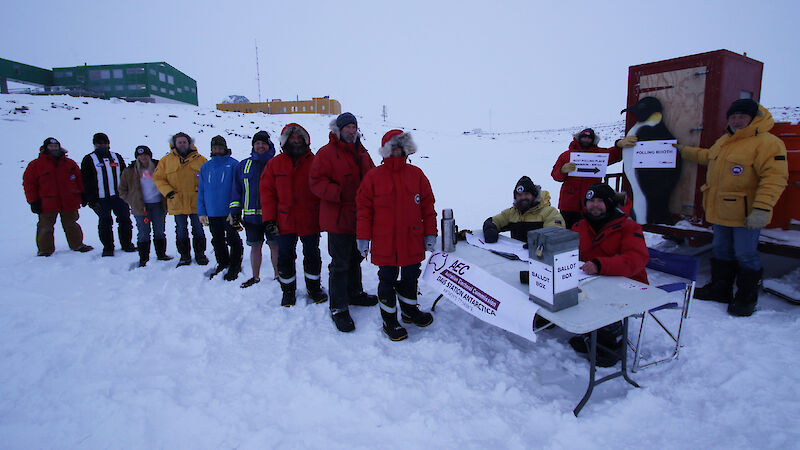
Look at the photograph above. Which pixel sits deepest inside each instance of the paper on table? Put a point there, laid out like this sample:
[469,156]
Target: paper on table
[504,245]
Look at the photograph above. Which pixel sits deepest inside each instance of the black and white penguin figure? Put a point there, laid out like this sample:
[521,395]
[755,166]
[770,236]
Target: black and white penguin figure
[651,187]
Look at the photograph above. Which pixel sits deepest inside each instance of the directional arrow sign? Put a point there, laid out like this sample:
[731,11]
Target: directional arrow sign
[589,164]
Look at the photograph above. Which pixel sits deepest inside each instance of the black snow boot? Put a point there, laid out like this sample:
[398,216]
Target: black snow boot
[720,288]
[216,271]
[144,252]
[315,292]
[391,327]
[343,321]
[410,313]
[126,239]
[288,289]
[363,299]
[747,284]
[610,344]
[161,249]
[107,239]
[199,246]
[236,263]
[183,250]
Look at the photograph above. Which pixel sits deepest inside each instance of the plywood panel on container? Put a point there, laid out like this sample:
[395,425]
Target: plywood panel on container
[682,93]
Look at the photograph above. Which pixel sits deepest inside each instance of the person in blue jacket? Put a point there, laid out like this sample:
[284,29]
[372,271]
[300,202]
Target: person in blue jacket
[213,208]
[246,205]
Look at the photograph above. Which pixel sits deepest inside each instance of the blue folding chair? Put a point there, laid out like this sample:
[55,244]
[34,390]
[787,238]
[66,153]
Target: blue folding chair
[685,267]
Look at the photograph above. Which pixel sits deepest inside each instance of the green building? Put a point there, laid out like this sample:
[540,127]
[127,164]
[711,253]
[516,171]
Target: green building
[156,82]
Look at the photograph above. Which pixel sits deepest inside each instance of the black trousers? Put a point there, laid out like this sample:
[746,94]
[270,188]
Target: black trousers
[344,278]
[388,285]
[105,223]
[287,255]
[223,236]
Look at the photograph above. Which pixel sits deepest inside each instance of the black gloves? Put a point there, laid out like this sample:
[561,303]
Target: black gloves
[170,194]
[271,227]
[36,207]
[490,231]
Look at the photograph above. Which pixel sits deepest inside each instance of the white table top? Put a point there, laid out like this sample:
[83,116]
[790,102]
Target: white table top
[603,300]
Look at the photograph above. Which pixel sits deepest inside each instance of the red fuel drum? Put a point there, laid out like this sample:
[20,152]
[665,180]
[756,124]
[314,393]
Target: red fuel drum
[788,206]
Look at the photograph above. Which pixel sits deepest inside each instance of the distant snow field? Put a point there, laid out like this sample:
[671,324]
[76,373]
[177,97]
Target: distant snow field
[94,355]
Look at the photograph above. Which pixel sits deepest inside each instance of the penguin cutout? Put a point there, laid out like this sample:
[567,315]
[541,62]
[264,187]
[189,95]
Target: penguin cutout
[651,188]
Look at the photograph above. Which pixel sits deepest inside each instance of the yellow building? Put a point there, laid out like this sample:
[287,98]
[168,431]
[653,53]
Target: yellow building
[318,105]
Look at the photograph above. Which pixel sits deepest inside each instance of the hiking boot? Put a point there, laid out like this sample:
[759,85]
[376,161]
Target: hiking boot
[161,249]
[720,288]
[343,321]
[363,299]
[315,292]
[108,252]
[84,248]
[391,327]
[232,273]
[747,284]
[128,248]
[250,282]
[183,249]
[144,252]
[216,271]
[288,299]
[199,246]
[44,253]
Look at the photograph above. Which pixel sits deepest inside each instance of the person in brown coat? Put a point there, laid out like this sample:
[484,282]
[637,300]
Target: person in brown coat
[149,207]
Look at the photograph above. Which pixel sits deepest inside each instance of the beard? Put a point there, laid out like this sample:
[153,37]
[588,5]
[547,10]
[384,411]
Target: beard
[295,150]
[57,153]
[523,204]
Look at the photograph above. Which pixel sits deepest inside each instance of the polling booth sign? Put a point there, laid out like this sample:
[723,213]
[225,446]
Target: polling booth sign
[481,294]
[655,154]
[588,164]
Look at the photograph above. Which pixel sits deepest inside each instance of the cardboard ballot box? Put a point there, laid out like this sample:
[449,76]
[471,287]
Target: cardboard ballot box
[554,266]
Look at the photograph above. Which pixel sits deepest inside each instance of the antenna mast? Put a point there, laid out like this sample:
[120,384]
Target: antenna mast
[258,73]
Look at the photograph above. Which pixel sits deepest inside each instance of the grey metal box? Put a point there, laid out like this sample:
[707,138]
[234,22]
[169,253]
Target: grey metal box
[554,267]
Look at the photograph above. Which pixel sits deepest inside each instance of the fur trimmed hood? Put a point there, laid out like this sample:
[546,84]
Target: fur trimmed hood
[397,138]
[338,133]
[291,128]
[595,137]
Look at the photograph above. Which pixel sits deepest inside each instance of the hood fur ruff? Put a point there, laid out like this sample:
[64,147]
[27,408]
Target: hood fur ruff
[404,140]
[338,133]
[596,140]
[291,128]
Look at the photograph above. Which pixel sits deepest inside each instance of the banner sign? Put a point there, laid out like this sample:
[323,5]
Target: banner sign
[588,164]
[655,155]
[481,294]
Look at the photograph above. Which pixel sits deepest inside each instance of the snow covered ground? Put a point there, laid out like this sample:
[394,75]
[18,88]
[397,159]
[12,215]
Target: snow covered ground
[93,355]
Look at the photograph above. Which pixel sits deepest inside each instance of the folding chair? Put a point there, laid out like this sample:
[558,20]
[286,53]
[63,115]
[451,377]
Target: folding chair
[683,266]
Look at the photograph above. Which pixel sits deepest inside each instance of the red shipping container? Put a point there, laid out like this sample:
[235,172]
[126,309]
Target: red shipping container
[788,206]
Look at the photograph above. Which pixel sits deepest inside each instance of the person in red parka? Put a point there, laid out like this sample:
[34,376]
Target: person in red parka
[336,173]
[53,186]
[610,243]
[287,205]
[570,200]
[395,212]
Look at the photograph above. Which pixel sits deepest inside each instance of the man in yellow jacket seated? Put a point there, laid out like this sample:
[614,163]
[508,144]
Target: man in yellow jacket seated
[177,176]
[747,172]
[531,211]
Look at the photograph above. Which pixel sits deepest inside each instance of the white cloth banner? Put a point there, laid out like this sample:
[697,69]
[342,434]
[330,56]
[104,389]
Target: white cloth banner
[655,155]
[589,164]
[479,293]
[505,246]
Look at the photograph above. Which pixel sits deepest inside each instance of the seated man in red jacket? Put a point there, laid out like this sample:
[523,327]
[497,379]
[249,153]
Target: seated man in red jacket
[395,212]
[610,244]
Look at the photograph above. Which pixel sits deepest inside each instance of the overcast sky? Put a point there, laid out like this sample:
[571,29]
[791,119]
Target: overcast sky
[454,65]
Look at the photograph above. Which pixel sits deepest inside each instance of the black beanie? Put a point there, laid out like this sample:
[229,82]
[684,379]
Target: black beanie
[50,140]
[100,138]
[345,119]
[603,192]
[262,136]
[743,106]
[142,150]
[525,184]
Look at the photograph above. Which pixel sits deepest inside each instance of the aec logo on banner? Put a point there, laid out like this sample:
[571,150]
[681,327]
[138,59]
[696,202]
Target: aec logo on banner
[451,274]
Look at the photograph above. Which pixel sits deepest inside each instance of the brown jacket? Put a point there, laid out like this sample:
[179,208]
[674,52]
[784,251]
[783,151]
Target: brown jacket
[130,188]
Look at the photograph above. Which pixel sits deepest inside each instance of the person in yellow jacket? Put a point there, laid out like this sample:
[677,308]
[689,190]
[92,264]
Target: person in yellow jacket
[531,211]
[177,176]
[747,172]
